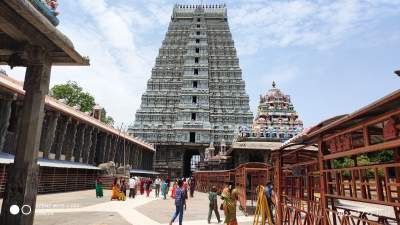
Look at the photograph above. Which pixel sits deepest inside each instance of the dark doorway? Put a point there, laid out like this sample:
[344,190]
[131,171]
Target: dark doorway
[191,162]
[192,137]
[256,157]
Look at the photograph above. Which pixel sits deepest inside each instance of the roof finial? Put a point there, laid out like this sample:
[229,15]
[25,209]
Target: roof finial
[273,84]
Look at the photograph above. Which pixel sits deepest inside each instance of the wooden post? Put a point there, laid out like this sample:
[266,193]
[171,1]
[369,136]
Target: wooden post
[22,182]
[279,213]
[325,215]
[396,157]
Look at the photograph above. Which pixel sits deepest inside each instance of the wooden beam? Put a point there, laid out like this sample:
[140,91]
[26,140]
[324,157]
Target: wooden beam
[19,29]
[366,149]
[391,97]
[367,122]
[8,43]
[42,25]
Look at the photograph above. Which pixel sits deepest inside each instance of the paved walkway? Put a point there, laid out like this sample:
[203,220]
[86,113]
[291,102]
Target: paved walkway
[81,208]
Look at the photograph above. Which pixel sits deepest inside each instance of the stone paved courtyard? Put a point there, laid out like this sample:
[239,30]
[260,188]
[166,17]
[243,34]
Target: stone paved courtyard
[82,208]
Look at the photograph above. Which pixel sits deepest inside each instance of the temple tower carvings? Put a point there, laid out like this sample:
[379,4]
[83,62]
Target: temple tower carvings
[196,94]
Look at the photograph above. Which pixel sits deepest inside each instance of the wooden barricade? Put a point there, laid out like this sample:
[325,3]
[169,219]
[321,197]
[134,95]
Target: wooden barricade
[205,180]
[246,178]
[355,177]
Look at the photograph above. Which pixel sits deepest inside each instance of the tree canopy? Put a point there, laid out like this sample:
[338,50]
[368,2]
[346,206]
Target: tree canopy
[106,119]
[75,96]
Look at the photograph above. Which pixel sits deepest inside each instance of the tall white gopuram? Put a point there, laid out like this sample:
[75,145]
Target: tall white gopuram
[196,94]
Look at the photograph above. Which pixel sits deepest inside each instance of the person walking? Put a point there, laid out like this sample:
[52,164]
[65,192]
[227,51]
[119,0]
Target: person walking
[148,184]
[192,185]
[269,194]
[180,203]
[132,187]
[157,184]
[168,184]
[174,187]
[142,186]
[164,189]
[99,188]
[229,196]
[185,187]
[123,186]
[213,206]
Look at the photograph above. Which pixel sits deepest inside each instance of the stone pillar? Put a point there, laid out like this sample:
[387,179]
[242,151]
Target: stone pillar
[62,126]
[116,154]
[69,142]
[114,146]
[15,126]
[143,160]
[121,152]
[79,142]
[133,157]
[140,160]
[87,144]
[48,132]
[131,154]
[107,150]
[22,181]
[5,112]
[100,148]
[137,157]
[93,146]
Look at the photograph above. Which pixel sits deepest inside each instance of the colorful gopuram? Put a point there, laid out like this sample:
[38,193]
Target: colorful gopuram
[276,118]
[276,122]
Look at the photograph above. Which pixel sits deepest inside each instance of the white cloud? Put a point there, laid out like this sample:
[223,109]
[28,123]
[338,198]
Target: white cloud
[318,24]
[120,39]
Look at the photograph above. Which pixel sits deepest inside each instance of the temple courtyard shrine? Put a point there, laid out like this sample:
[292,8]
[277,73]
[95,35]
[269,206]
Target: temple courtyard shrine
[194,119]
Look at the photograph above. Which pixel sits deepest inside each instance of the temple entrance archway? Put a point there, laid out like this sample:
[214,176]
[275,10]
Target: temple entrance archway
[191,161]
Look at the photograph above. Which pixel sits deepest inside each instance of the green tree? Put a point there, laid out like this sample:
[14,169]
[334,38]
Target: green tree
[106,119]
[74,95]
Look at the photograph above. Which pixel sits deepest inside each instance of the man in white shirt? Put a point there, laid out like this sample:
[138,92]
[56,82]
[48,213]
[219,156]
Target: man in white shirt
[132,187]
[157,183]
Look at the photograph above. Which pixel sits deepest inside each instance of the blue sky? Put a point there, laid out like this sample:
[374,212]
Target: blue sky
[332,57]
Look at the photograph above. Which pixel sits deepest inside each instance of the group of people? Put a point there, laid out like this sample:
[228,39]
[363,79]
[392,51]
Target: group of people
[121,185]
[229,197]
[181,189]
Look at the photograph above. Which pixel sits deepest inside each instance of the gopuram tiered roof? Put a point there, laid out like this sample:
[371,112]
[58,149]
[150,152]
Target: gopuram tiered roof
[276,118]
[276,122]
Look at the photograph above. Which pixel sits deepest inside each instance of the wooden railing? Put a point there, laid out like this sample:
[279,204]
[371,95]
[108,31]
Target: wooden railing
[373,184]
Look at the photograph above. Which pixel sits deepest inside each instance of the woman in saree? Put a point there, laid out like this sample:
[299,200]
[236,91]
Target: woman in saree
[173,190]
[229,197]
[99,188]
[141,186]
[115,190]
